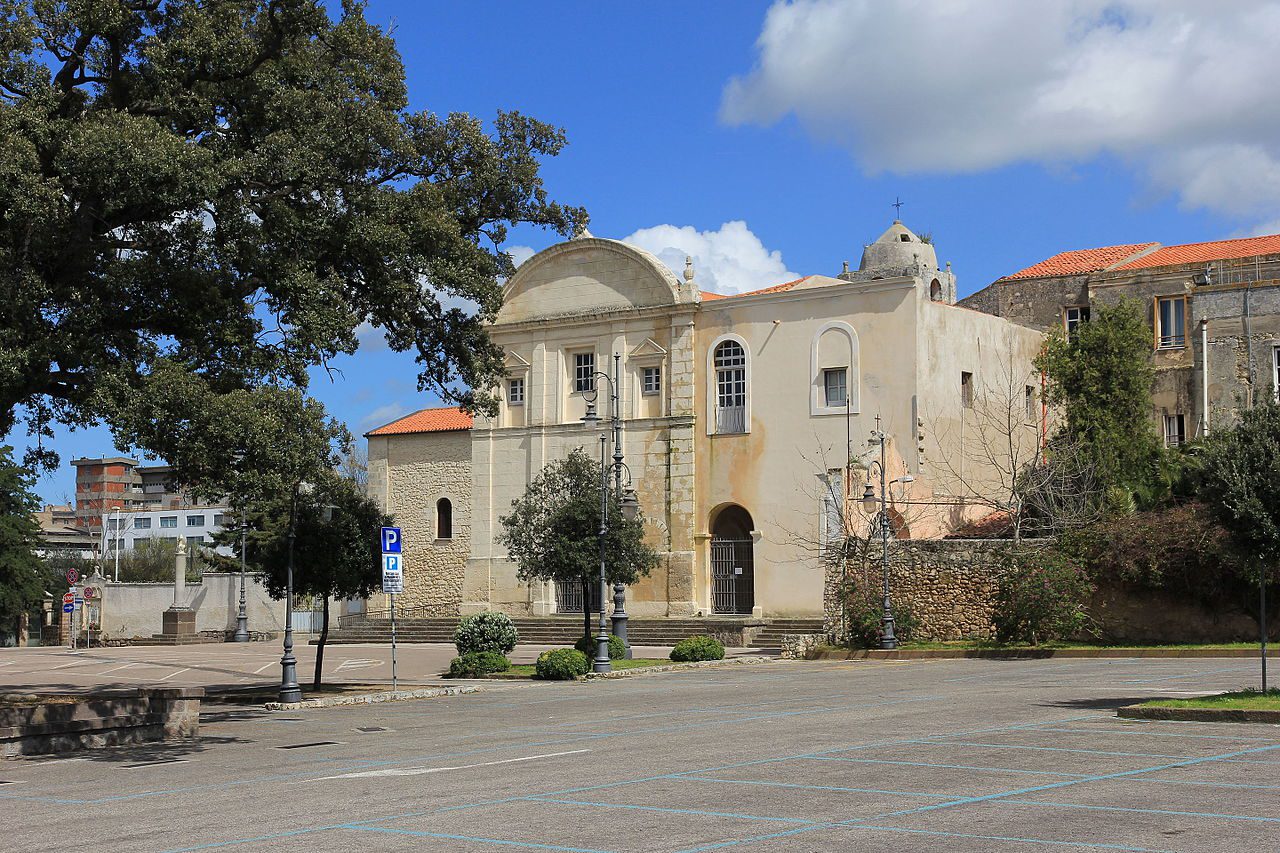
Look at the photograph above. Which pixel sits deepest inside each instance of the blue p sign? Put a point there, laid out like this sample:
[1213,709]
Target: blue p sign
[391,540]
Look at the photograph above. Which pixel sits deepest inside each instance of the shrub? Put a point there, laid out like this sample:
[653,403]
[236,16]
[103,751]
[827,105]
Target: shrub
[587,645]
[1041,597]
[487,631]
[866,617]
[561,665]
[473,664]
[698,647]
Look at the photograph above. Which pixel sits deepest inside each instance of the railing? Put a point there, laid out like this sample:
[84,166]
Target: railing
[415,611]
[731,420]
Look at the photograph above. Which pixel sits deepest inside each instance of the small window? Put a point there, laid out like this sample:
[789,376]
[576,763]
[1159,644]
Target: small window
[966,389]
[195,521]
[168,521]
[194,541]
[444,519]
[217,520]
[142,524]
[1174,430]
[935,290]
[835,384]
[1029,395]
[651,380]
[515,392]
[1171,316]
[731,388]
[584,372]
[905,238]
[1072,317]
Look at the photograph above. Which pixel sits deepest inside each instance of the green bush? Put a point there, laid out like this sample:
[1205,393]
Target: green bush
[866,618]
[1041,597]
[487,631]
[561,665]
[474,664]
[587,645]
[698,647]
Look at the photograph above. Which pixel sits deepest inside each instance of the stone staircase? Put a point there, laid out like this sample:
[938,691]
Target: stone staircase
[565,630]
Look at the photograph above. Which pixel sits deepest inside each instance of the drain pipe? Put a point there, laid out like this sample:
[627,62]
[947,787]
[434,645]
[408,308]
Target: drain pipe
[1204,375]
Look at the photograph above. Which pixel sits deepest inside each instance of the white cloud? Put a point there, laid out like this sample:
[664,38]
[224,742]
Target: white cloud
[520,254]
[370,337]
[383,415]
[729,260]
[1183,90]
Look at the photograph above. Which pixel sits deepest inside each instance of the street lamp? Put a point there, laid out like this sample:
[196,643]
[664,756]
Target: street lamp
[242,616]
[117,535]
[290,691]
[888,639]
[628,504]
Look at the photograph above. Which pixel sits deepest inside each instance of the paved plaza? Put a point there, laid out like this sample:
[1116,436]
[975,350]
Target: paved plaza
[865,756]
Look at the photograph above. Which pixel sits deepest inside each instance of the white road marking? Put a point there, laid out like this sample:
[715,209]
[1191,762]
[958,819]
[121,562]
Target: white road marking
[116,668]
[261,668]
[419,771]
[73,663]
[7,662]
[357,663]
[175,672]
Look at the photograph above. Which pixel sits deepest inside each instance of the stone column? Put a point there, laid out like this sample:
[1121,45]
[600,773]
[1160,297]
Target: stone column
[179,621]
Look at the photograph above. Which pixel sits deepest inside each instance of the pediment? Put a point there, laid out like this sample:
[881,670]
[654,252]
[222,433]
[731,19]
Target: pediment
[649,348]
[514,363]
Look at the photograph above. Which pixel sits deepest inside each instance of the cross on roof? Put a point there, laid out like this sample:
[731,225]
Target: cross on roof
[897,206]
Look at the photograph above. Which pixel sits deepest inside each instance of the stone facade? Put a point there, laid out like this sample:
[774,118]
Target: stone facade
[409,475]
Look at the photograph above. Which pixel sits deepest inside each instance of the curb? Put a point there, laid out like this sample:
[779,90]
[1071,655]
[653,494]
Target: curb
[1198,715]
[1031,654]
[672,667]
[371,698]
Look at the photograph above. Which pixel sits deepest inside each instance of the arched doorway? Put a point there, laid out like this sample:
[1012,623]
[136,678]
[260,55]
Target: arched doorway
[733,576]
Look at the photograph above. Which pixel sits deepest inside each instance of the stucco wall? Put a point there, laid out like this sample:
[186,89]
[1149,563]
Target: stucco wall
[134,609]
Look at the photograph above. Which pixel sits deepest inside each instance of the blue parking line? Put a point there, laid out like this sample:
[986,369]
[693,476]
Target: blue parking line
[834,788]
[503,842]
[1189,675]
[1078,776]
[1087,807]
[1047,749]
[697,812]
[1045,841]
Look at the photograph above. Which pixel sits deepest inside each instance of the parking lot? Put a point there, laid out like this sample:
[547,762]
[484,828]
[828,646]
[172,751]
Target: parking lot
[908,756]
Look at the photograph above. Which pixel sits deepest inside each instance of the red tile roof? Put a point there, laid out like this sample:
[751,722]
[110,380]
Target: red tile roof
[996,525]
[1081,261]
[448,419]
[1195,253]
[777,288]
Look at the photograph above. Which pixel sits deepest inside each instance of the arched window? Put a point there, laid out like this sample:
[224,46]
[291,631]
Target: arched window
[444,519]
[731,387]
[935,290]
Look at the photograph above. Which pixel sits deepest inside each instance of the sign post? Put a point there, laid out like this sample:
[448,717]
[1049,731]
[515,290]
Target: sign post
[392,583]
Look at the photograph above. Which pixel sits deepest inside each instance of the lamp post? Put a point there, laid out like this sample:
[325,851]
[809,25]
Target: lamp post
[118,534]
[242,616]
[888,637]
[628,504]
[290,691]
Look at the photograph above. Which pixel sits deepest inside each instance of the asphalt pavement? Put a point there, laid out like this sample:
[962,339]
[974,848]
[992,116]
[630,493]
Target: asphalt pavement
[956,755]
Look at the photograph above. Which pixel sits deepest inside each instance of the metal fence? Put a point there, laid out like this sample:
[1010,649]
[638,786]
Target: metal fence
[733,576]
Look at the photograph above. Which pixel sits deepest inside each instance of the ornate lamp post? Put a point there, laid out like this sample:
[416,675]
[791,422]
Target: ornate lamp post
[628,504]
[242,616]
[290,691]
[888,638]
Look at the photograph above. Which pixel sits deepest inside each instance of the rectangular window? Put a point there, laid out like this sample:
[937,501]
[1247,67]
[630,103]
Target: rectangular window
[168,521]
[195,521]
[193,541]
[651,380]
[142,524]
[217,520]
[1174,430]
[584,372]
[1072,317]
[1171,316]
[835,385]
[1030,395]
[966,389]
[515,392]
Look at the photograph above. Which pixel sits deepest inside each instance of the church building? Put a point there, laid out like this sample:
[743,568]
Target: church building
[749,424]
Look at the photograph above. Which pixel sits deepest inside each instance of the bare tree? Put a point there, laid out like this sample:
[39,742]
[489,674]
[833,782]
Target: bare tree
[354,464]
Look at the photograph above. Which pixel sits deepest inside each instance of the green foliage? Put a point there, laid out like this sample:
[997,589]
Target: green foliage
[561,665]
[473,664]
[154,560]
[587,645]
[22,573]
[866,621]
[698,647]
[230,190]
[1100,379]
[1041,596]
[487,631]
[1240,481]
[552,530]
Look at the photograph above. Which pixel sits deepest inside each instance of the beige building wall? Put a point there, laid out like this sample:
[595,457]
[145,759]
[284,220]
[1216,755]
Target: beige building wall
[409,475]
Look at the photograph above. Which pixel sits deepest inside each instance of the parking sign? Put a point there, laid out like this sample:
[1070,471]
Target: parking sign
[392,574]
[391,540]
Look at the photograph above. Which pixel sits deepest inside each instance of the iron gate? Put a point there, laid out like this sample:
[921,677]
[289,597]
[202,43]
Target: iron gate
[569,597]
[733,576]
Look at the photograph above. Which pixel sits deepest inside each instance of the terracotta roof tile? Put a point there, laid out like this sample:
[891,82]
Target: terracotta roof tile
[447,419]
[1081,261]
[777,288]
[1194,253]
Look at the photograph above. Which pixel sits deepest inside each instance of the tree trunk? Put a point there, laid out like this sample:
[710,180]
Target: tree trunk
[324,638]
[586,607]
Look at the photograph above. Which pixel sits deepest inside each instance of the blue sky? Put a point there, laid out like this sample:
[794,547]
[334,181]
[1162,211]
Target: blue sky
[771,139]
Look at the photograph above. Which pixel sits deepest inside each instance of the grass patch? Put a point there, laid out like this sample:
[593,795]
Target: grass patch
[526,669]
[1239,700]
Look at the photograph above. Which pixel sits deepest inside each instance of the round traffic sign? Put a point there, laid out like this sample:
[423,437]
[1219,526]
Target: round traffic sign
[68,597]
[68,608]
[90,592]
[72,575]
